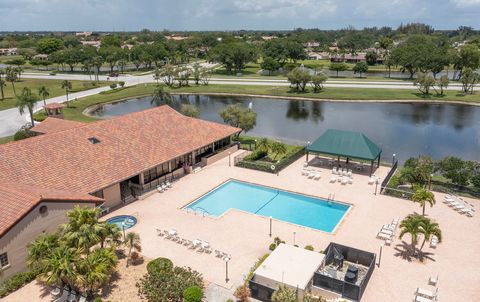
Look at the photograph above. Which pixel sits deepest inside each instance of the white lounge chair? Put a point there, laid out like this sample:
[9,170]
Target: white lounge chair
[160,189]
[350,180]
[333,179]
[371,181]
[311,175]
[82,299]
[423,299]
[64,296]
[426,293]
[344,181]
[317,176]
[381,235]
[387,232]
[304,172]
[72,297]
[334,170]
[433,241]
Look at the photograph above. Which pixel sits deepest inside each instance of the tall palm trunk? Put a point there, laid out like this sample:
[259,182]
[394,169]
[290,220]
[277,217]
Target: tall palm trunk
[30,110]
[1,90]
[68,103]
[14,91]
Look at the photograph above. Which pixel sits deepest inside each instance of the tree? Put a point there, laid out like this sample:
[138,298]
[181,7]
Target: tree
[243,293]
[59,266]
[82,230]
[233,55]
[41,248]
[422,196]
[168,284]
[424,82]
[442,84]
[284,294]
[371,57]
[240,117]
[190,110]
[318,80]
[157,75]
[337,67]
[12,76]
[269,64]
[197,73]
[109,234]
[168,74]
[468,79]
[468,56]
[417,171]
[132,242]
[49,45]
[299,77]
[27,100]
[44,94]
[67,85]
[430,228]
[160,96]
[353,41]
[2,83]
[263,145]
[412,225]
[360,67]
[454,169]
[277,149]
[96,268]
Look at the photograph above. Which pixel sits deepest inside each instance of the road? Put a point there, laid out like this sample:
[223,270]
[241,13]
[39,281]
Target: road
[11,120]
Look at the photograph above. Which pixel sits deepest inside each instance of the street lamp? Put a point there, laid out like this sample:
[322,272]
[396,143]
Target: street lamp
[226,259]
[294,233]
[393,161]
[430,182]
[270,234]
[229,162]
[380,254]
[376,186]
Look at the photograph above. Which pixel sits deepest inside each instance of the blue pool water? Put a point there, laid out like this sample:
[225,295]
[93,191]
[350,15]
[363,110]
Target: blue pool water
[282,205]
[123,221]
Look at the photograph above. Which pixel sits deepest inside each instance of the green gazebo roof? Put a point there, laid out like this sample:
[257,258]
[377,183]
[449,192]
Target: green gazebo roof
[346,144]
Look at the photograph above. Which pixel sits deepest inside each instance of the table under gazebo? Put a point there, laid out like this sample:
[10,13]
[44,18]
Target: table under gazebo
[348,145]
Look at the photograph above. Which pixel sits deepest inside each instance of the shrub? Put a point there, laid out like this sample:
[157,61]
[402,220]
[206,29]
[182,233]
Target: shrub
[309,247]
[242,293]
[121,83]
[16,282]
[53,73]
[256,155]
[193,294]
[40,116]
[97,300]
[113,86]
[229,300]
[159,264]
[272,246]
[23,134]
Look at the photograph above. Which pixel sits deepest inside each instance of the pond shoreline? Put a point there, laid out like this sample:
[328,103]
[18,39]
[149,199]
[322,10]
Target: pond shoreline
[92,108]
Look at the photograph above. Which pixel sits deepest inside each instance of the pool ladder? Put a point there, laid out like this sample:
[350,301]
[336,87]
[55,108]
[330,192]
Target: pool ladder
[194,211]
[331,198]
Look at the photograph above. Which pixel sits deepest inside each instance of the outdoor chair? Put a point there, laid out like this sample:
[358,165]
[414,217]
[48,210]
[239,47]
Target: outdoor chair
[426,293]
[433,241]
[433,280]
[160,189]
[64,296]
[82,299]
[72,297]
[423,299]
[333,179]
[317,176]
[381,235]
[168,184]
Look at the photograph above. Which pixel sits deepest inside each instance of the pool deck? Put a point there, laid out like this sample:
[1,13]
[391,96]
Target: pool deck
[246,236]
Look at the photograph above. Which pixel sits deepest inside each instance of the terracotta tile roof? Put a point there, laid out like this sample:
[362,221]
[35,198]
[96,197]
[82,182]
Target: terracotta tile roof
[52,125]
[54,106]
[129,145]
[18,200]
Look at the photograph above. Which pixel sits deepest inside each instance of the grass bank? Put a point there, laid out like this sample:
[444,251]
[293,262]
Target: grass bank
[54,87]
[331,93]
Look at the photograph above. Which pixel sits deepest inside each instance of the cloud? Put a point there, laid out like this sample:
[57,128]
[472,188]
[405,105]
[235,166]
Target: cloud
[466,3]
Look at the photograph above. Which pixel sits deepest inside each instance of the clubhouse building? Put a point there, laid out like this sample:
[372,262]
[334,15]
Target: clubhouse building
[106,163]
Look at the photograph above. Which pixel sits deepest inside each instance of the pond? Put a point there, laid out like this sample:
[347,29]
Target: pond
[406,129]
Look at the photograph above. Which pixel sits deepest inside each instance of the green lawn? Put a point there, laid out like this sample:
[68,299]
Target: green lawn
[54,86]
[6,139]
[75,113]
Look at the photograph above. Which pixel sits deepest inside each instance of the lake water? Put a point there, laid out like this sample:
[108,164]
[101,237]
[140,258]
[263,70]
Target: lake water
[402,128]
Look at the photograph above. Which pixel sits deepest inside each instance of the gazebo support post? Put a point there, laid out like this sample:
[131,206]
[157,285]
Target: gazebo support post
[307,156]
[371,168]
[378,163]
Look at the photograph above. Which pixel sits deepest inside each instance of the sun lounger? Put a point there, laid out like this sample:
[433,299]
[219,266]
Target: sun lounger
[426,293]
[160,233]
[423,299]
[82,299]
[459,207]
[64,296]
[311,175]
[160,189]
[317,176]
[304,172]
[387,232]
[218,254]
[72,297]
[344,180]
[334,170]
[433,280]
[350,180]
[381,235]
[388,242]
[371,181]
[433,242]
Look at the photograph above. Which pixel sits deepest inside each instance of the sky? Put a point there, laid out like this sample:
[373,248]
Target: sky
[179,15]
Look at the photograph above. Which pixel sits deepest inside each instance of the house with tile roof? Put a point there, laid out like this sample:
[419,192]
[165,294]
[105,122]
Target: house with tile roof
[109,162]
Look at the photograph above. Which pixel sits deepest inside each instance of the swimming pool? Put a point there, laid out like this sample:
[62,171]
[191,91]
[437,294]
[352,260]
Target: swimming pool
[295,208]
[123,221]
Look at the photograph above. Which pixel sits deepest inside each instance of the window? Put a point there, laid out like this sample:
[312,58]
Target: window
[3,260]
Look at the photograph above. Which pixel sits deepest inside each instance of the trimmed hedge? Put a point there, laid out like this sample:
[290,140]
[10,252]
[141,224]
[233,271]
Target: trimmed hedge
[16,282]
[267,166]
[193,294]
[159,264]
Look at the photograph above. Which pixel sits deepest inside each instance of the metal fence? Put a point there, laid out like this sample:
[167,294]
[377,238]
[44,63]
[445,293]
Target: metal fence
[389,176]
[346,289]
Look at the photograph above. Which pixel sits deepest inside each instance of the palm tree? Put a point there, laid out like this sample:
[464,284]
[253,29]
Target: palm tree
[160,96]
[67,85]
[96,268]
[27,100]
[11,76]
[40,249]
[422,196]
[412,225]
[59,267]
[157,75]
[278,149]
[430,228]
[263,144]
[82,229]
[110,233]
[132,241]
[43,93]
[284,294]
